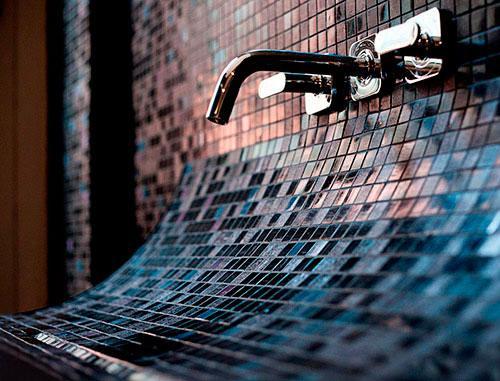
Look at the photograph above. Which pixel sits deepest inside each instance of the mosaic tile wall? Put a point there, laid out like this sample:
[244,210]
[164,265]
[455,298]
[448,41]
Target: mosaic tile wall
[363,245]
[180,47]
[363,250]
[76,107]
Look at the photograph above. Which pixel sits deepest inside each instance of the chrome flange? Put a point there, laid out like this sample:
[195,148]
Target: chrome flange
[365,86]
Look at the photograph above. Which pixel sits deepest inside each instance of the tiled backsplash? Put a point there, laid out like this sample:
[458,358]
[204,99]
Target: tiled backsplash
[360,245]
[179,49]
[357,251]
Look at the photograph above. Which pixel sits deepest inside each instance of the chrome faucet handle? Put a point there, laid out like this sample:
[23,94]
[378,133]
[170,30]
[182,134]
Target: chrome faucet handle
[398,37]
[295,83]
[420,44]
[272,86]
[322,95]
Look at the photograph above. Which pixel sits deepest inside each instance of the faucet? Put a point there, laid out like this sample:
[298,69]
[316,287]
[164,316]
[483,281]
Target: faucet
[414,50]
[253,61]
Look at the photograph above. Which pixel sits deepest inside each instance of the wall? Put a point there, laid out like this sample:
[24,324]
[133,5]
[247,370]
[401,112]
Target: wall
[76,110]
[99,231]
[23,129]
[180,47]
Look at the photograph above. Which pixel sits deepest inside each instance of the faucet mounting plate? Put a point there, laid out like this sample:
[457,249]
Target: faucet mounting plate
[364,87]
[420,68]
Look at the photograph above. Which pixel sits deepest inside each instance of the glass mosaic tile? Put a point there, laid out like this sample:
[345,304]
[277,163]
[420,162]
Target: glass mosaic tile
[387,269]
[360,245]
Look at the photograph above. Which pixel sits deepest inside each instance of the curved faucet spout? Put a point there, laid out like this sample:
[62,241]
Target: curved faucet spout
[241,67]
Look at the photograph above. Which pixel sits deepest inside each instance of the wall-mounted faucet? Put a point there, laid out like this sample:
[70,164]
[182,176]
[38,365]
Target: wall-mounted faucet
[241,67]
[324,77]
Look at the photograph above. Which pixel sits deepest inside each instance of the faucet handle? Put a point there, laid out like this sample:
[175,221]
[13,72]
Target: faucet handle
[321,94]
[420,43]
[273,85]
[295,83]
[398,37]
[420,36]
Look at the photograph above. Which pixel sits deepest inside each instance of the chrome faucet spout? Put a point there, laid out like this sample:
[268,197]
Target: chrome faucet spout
[241,67]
